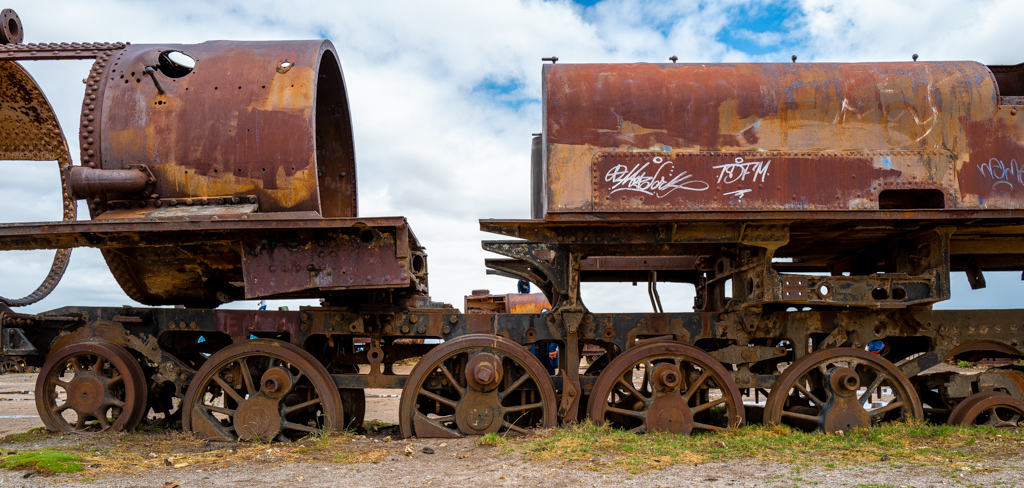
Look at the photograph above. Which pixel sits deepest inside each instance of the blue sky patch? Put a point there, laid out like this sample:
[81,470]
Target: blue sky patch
[762,28]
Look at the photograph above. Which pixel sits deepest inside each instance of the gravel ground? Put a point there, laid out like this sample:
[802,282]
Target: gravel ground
[463,462]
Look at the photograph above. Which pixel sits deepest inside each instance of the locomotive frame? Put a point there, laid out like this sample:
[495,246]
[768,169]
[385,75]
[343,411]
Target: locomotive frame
[776,315]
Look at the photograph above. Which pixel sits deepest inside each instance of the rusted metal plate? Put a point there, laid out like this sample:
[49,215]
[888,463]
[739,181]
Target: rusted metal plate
[198,259]
[369,259]
[650,137]
[740,180]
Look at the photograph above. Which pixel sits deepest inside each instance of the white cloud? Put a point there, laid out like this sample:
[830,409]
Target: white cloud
[431,145]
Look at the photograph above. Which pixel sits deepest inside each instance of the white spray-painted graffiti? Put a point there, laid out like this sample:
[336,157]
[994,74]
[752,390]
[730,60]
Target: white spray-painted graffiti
[1003,174]
[660,184]
[739,169]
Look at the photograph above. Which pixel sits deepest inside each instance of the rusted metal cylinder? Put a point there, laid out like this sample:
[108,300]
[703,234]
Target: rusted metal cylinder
[752,137]
[225,128]
[268,119]
[86,182]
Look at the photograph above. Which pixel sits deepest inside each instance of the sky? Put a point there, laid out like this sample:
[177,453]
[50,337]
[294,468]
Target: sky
[445,95]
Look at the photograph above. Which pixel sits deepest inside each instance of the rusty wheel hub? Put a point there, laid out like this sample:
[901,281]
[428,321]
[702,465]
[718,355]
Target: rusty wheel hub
[479,413]
[86,393]
[669,413]
[484,372]
[258,418]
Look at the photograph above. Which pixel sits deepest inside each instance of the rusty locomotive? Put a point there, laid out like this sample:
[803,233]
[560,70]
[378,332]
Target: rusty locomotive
[817,209]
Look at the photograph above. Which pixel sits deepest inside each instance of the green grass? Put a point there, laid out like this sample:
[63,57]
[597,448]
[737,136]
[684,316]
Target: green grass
[47,462]
[912,443]
[491,439]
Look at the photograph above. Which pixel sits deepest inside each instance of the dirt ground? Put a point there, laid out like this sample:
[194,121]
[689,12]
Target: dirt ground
[462,462]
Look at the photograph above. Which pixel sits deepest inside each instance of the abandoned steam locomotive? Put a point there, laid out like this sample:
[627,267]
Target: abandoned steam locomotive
[817,209]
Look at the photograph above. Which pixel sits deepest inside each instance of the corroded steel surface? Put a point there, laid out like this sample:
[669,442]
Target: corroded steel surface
[776,136]
[251,118]
[29,131]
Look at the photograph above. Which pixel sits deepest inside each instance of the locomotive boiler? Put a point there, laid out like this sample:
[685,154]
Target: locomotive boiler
[817,209]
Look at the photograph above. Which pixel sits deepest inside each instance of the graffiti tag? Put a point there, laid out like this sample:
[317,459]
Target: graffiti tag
[1003,174]
[739,169]
[661,183]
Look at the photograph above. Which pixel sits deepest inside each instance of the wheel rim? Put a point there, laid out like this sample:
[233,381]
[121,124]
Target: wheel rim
[670,387]
[831,390]
[474,385]
[10,366]
[989,409]
[264,390]
[91,387]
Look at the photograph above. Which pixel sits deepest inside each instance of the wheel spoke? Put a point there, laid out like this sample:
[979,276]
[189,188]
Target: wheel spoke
[451,379]
[214,408]
[80,423]
[304,428]
[701,408]
[715,428]
[228,389]
[98,365]
[250,388]
[61,408]
[115,380]
[891,406]
[810,396]
[623,411]
[300,406]
[102,418]
[874,384]
[695,386]
[801,416]
[520,408]
[514,427]
[515,384]
[632,390]
[438,398]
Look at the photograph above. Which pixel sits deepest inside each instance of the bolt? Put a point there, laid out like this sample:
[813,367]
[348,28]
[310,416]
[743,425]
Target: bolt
[453,320]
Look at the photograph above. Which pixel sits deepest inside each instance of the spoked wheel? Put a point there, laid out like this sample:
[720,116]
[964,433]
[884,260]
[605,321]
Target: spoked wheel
[831,390]
[11,365]
[475,385]
[990,409]
[667,386]
[91,387]
[261,389]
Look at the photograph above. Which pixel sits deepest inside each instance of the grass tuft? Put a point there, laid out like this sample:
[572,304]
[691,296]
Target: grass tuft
[45,462]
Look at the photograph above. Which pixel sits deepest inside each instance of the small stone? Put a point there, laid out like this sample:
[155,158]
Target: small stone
[94,466]
[720,444]
[152,454]
[408,450]
[885,458]
[840,433]
[168,462]
[443,444]
[427,450]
